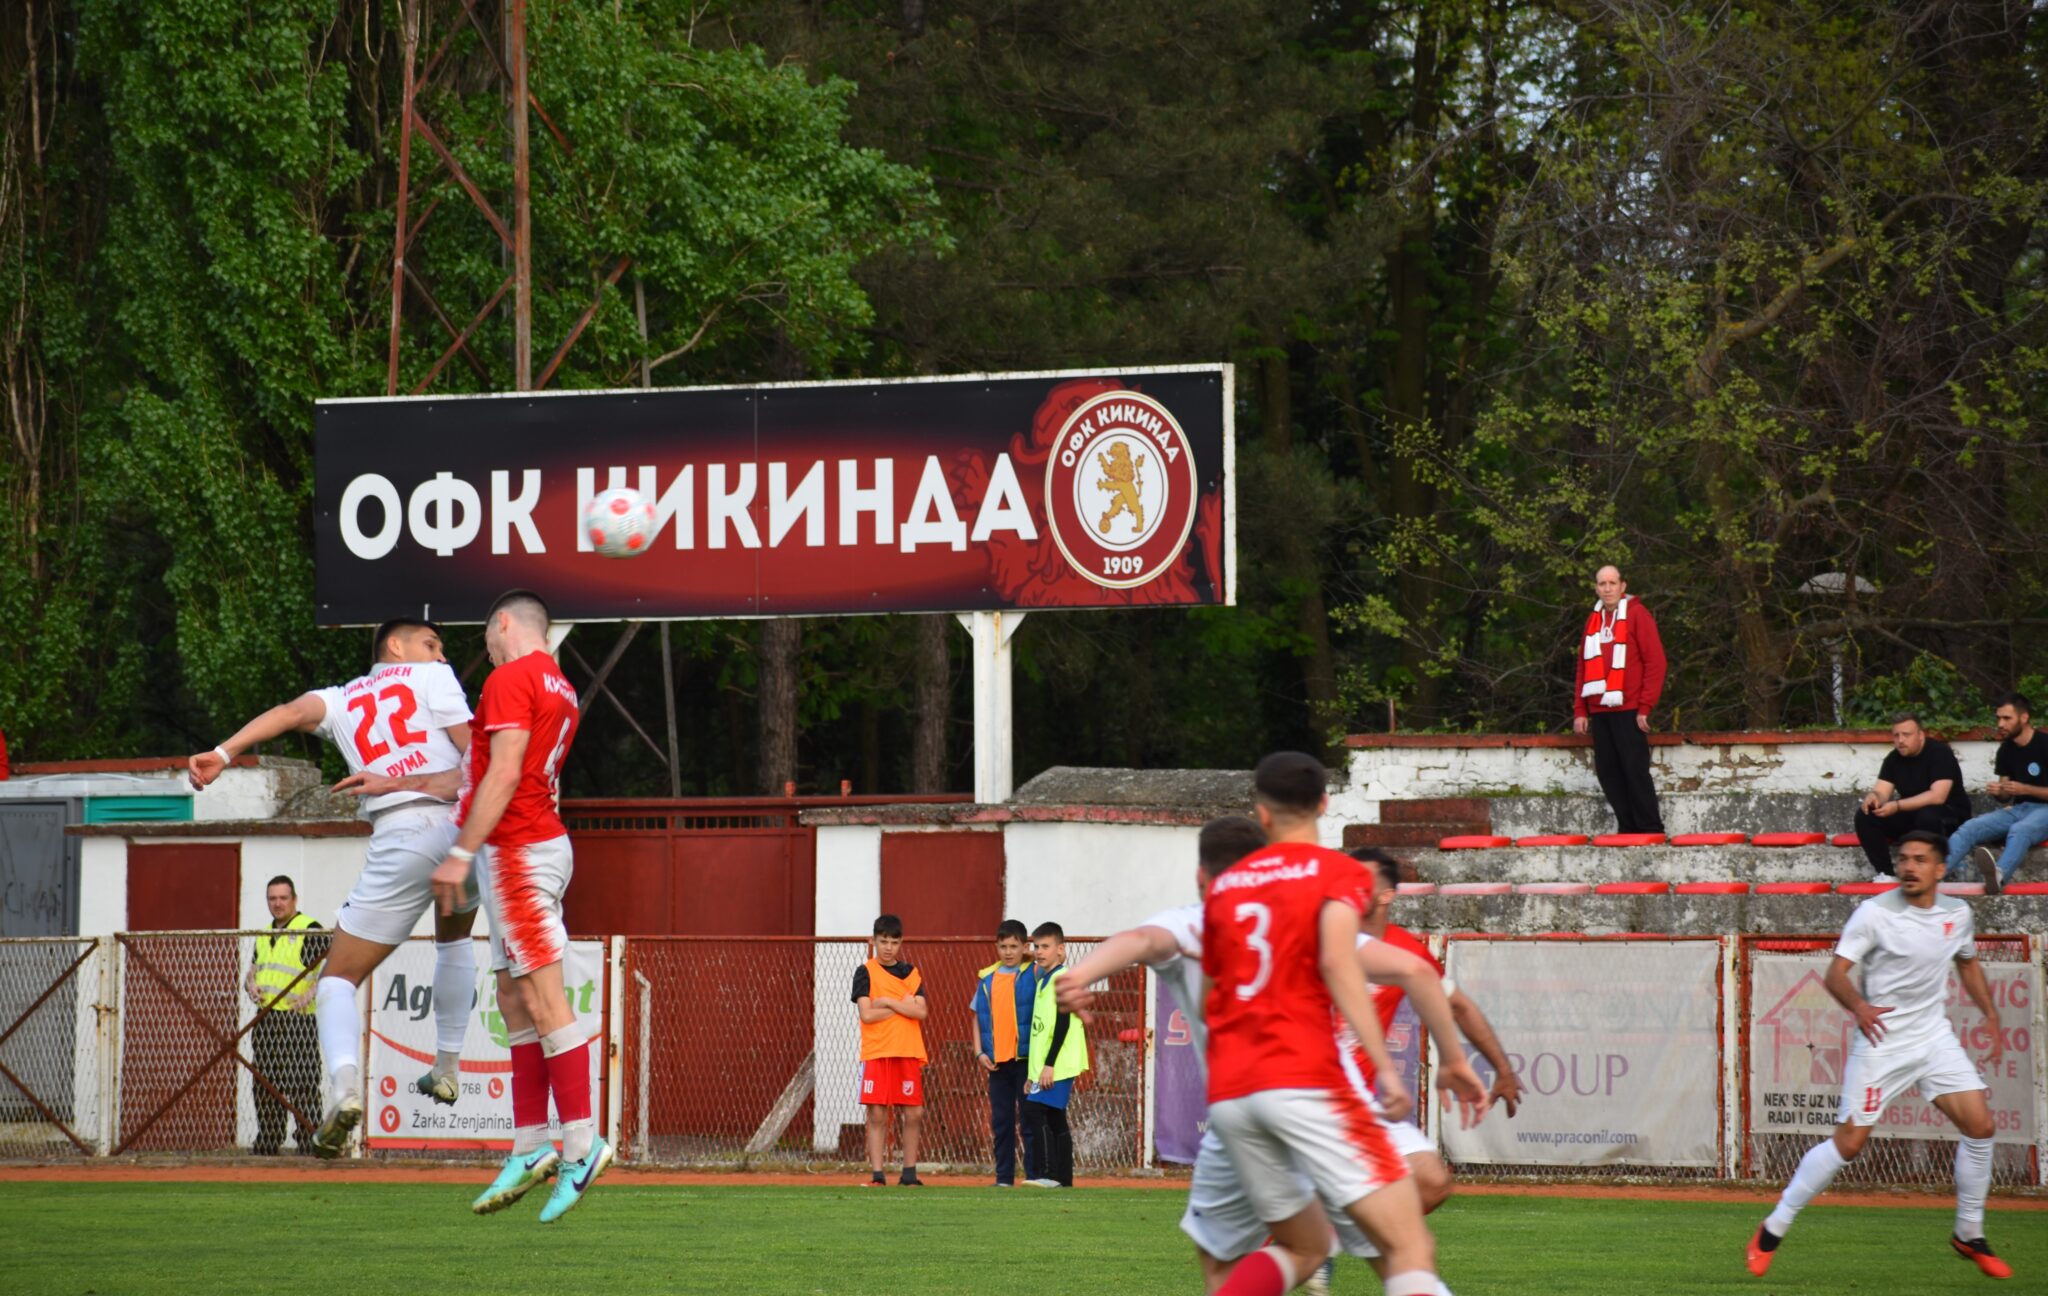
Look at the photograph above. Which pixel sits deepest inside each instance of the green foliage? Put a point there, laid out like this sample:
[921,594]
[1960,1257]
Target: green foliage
[1929,687]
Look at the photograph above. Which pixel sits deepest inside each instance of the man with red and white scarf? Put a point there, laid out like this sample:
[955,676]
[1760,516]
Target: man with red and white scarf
[1619,679]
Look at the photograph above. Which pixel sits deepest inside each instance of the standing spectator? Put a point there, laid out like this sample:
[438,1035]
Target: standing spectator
[889,993]
[284,1040]
[1002,1012]
[2020,786]
[1621,678]
[1919,789]
[1059,1054]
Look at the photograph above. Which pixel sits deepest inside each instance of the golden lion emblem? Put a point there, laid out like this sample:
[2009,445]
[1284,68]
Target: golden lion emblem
[1123,480]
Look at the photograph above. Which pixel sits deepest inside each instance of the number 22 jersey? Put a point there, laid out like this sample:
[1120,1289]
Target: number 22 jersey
[394,721]
[1270,1017]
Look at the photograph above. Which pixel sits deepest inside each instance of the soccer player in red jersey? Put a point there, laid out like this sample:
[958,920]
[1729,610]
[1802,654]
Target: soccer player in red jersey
[512,833]
[1280,950]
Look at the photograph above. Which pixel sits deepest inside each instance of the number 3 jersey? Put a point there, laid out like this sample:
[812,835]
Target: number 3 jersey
[531,694]
[1269,1013]
[394,721]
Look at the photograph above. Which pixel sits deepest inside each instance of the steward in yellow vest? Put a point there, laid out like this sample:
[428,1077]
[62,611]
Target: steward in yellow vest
[284,1043]
[281,959]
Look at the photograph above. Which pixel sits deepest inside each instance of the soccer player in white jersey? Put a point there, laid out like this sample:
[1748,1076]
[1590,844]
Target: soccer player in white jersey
[1219,1218]
[406,718]
[1906,939]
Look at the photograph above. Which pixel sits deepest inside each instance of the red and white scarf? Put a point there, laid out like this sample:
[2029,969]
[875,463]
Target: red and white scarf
[1604,673]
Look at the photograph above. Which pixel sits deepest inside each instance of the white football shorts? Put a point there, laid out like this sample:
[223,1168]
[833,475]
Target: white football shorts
[522,888]
[1875,1078]
[1219,1217]
[396,884]
[1291,1146]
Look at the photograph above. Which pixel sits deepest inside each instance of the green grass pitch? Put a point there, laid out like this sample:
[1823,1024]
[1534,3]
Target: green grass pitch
[138,1239]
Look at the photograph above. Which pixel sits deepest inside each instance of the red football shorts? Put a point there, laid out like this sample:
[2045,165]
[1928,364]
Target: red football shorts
[892,1082]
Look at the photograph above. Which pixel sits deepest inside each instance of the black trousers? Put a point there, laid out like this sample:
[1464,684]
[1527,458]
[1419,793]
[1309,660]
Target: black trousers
[1621,761]
[1877,835]
[1055,1141]
[1007,1118]
[286,1050]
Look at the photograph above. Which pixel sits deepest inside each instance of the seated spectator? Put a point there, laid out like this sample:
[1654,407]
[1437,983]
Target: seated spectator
[2020,786]
[1919,789]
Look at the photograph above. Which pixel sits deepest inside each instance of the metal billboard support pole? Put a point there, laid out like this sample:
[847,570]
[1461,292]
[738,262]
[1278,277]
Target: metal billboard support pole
[994,774]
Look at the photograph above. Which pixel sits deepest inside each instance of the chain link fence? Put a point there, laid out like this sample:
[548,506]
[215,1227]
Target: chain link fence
[51,1095]
[747,1052]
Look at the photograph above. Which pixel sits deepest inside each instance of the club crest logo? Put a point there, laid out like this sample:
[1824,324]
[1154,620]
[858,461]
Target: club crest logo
[1120,489]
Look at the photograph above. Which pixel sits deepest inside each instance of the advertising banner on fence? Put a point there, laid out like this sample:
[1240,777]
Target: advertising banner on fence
[1180,1089]
[1071,490]
[1616,1045]
[402,1048]
[1799,1040]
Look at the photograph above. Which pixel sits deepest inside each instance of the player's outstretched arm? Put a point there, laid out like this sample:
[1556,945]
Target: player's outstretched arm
[493,794]
[1971,975]
[1147,945]
[443,785]
[1472,1024]
[302,714]
[1337,959]
[1425,990]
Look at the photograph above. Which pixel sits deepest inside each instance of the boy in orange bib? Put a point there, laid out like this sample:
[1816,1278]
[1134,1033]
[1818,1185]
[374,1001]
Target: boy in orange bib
[889,993]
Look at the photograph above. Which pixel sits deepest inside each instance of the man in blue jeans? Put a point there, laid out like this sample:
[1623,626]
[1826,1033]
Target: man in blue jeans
[2020,785]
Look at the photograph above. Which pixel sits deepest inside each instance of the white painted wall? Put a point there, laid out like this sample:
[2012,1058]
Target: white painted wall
[240,793]
[1096,879]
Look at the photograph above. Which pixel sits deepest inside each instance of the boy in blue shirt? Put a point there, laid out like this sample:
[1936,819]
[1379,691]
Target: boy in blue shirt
[1002,1011]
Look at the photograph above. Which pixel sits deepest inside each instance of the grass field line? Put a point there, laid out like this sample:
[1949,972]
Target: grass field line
[628,1176]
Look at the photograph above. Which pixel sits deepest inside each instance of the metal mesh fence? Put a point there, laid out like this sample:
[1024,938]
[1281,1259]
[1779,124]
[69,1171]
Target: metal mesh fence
[203,1066]
[50,1092]
[748,1052]
[1888,1159]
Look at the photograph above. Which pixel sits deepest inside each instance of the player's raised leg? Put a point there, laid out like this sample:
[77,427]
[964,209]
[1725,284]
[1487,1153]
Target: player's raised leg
[349,960]
[533,1157]
[1970,1109]
[454,996]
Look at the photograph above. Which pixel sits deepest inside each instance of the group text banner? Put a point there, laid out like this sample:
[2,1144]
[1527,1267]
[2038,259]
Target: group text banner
[1799,1041]
[1087,489]
[402,1048]
[1616,1044]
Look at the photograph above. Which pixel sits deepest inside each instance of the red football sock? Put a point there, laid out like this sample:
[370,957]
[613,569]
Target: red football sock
[1262,1273]
[529,1086]
[569,1079]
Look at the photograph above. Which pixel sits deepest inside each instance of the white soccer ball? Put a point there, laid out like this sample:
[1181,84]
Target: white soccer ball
[620,523]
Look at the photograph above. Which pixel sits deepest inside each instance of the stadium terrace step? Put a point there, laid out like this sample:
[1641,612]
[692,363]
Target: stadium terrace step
[1596,864]
[1404,836]
[1438,810]
[1758,913]
[1684,812]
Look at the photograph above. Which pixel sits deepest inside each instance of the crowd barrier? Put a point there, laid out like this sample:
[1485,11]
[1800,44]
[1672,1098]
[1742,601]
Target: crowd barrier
[1678,1058]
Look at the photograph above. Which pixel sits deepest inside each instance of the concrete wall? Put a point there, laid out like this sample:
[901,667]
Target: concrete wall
[258,790]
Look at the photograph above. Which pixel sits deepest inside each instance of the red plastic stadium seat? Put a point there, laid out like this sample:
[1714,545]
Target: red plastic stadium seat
[1961,888]
[1793,888]
[1633,888]
[1553,839]
[1709,839]
[1629,839]
[1415,888]
[1474,843]
[1864,888]
[1713,888]
[1788,839]
[1554,888]
[2026,888]
[1474,888]
[1844,839]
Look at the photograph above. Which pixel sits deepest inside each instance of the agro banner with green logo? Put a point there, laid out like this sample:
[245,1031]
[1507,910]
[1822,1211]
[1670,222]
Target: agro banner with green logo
[401,995]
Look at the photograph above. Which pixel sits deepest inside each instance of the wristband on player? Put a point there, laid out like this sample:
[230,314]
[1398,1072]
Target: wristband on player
[222,752]
[457,852]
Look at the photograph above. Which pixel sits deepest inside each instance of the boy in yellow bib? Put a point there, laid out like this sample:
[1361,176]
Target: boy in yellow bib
[1059,1054]
[889,993]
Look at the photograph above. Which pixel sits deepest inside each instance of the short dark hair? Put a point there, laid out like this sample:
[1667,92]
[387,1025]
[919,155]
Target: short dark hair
[1906,717]
[1936,840]
[1293,782]
[1393,870]
[2017,701]
[523,604]
[889,925]
[1011,929]
[280,880]
[1051,929]
[1227,839]
[392,627]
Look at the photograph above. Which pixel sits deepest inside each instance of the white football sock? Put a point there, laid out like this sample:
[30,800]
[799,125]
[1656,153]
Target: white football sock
[1416,1282]
[454,991]
[1817,1169]
[341,1031]
[1973,1181]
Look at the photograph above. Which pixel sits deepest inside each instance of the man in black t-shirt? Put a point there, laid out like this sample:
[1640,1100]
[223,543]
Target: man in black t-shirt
[1919,789]
[2020,786]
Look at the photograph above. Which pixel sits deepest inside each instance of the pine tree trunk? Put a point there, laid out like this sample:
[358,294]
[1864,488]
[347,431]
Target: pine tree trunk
[781,640]
[931,695]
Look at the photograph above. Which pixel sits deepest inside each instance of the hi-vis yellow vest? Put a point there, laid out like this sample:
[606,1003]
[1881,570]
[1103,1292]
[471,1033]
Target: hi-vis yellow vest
[279,960]
[1073,1058]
